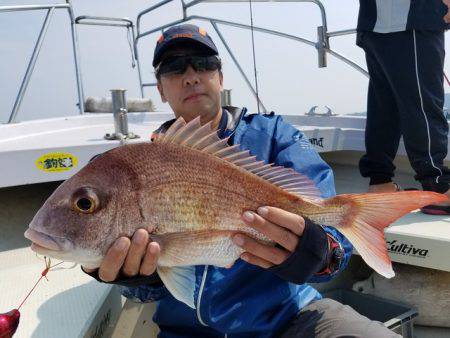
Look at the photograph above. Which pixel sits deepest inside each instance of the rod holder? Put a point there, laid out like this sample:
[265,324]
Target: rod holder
[225,97]
[120,111]
[322,43]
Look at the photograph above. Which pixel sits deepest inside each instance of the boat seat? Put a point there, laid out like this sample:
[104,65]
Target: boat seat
[104,105]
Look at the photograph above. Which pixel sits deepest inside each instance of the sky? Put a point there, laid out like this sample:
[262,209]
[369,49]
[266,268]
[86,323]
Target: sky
[289,79]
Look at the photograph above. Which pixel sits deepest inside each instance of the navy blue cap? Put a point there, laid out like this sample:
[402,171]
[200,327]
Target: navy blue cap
[187,34]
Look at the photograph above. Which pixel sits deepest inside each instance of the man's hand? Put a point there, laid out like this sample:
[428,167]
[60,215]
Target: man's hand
[447,16]
[138,256]
[283,227]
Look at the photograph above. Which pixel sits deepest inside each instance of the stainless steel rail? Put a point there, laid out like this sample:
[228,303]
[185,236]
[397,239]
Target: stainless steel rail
[116,22]
[81,20]
[136,34]
[322,44]
[37,47]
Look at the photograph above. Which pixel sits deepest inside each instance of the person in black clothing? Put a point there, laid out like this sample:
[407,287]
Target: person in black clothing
[403,42]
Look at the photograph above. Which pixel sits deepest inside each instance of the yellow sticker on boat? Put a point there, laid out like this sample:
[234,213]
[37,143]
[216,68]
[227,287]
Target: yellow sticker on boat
[56,162]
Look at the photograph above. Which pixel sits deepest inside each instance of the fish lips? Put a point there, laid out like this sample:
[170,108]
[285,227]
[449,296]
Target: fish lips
[44,242]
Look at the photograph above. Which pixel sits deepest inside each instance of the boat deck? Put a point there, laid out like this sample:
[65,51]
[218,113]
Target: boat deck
[68,304]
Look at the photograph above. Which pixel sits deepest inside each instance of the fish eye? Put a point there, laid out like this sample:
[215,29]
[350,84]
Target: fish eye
[85,204]
[85,201]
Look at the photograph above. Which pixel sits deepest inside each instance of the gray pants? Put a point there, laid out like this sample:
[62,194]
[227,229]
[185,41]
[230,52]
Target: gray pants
[327,318]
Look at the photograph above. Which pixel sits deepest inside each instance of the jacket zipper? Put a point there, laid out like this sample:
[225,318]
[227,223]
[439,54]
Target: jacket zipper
[199,298]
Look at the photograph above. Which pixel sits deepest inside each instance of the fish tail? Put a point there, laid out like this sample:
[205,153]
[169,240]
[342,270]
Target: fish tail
[366,215]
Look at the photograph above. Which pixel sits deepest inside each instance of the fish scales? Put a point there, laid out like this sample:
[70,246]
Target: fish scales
[191,195]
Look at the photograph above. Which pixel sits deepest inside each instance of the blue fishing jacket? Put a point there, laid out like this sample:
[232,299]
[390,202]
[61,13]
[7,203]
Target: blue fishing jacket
[246,300]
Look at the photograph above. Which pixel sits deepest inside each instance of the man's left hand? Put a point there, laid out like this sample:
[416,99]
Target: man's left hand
[281,226]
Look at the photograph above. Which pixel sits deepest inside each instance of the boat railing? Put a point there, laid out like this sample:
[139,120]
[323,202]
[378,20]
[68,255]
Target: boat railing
[50,9]
[116,22]
[81,20]
[322,44]
[135,34]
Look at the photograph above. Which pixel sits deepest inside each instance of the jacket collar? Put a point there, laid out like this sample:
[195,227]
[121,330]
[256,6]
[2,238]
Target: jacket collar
[233,115]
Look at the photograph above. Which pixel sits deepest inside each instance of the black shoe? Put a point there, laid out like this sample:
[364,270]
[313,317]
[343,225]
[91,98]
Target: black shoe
[436,209]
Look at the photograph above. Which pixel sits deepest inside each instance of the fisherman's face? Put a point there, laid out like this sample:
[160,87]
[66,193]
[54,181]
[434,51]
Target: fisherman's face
[192,93]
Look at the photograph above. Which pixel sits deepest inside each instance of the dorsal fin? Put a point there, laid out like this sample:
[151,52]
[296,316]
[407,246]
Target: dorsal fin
[205,139]
[179,123]
[184,134]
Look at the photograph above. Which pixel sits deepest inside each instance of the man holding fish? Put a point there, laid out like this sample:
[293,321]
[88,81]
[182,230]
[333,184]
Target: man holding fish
[225,242]
[255,296]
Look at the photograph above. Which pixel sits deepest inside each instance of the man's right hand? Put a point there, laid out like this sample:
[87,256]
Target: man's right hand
[129,258]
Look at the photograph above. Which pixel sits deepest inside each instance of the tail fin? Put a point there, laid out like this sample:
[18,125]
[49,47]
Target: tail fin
[368,214]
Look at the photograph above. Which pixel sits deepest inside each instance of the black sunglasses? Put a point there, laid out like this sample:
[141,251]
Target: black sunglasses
[179,64]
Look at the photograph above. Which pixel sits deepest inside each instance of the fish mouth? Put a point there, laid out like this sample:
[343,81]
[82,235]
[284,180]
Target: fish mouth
[62,248]
[44,242]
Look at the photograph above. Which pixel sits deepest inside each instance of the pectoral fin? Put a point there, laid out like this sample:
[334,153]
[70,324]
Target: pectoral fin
[180,281]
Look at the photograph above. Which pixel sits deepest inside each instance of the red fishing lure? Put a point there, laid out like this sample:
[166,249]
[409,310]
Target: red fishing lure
[9,321]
